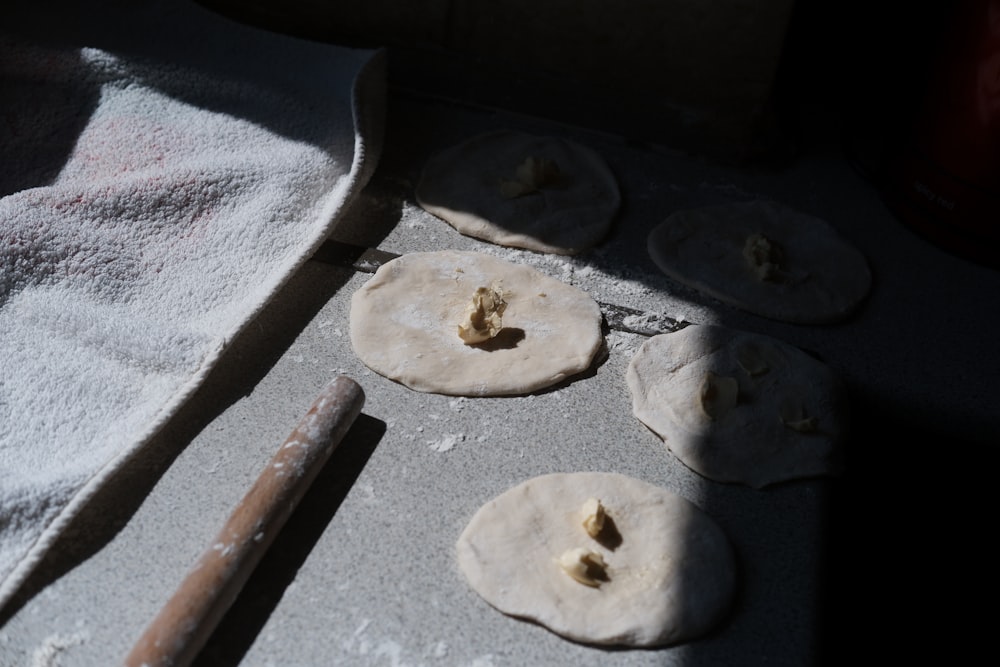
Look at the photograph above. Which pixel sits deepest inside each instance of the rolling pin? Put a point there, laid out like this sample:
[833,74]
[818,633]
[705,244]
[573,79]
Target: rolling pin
[189,617]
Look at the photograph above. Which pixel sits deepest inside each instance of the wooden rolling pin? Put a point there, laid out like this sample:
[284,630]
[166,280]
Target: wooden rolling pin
[187,620]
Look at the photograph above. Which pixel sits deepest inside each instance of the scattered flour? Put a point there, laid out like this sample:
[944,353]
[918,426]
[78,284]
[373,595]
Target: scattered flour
[384,651]
[628,344]
[50,652]
[415,217]
[337,331]
[448,441]
[602,277]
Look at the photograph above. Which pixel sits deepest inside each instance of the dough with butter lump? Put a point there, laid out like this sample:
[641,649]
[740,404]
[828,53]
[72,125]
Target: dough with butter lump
[519,190]
[405,325]
[740,407]
[765,258]
[665,570]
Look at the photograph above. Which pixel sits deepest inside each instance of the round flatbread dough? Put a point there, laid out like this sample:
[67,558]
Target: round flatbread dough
[765,258]
[405,325]
[669,575]
[740,407]
[485,188]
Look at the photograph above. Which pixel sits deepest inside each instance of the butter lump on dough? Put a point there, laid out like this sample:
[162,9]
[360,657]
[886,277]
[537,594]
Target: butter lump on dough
[484,316]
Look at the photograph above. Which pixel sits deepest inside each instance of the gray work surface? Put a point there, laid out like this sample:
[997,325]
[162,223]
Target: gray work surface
[365,574]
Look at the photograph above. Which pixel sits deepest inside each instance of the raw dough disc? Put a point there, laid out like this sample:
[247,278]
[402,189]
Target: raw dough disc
[670,568]
[462,185]
[789,416]
[404,325]
[822,277]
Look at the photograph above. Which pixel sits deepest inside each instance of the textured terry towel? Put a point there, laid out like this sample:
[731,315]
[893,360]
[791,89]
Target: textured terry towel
[160,178]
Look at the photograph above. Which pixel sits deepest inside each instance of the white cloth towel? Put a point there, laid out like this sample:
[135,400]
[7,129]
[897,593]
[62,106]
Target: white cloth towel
[163,171]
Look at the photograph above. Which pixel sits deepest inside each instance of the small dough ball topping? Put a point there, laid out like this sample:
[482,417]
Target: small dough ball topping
[751,358]
[484,316]
[717,395]
[793,415]
[763,256]
[593,517]
[585,566]
[530,176]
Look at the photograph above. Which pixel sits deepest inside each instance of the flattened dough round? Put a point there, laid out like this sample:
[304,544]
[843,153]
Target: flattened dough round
[822,277]
[462,185]
[670,568]
[788,420]
[404,325]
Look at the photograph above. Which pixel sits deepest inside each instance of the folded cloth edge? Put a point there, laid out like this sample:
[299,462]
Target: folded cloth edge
[368,103]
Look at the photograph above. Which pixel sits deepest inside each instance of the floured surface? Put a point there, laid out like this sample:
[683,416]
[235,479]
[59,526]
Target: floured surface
[670,572]
[816,276]
[479,187]
[405,323]
[739,407]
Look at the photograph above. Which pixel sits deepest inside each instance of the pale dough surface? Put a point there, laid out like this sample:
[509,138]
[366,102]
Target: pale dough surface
[751,443]
[404,325]
[825,277]
[671,572]
[462,186]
